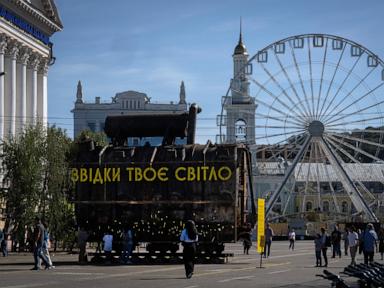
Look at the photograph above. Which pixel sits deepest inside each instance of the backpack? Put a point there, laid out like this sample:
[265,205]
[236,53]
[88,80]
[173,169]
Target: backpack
[328,241]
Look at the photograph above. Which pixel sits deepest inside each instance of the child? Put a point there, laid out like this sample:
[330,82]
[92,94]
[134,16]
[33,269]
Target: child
[318,245]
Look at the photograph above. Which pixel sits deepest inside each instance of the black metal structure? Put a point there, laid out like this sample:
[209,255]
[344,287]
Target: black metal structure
[155,189]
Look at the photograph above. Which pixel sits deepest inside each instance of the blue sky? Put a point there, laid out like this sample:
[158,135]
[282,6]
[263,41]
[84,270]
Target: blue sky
[150,46]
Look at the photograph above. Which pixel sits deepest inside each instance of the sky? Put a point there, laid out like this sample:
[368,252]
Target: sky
[151,46]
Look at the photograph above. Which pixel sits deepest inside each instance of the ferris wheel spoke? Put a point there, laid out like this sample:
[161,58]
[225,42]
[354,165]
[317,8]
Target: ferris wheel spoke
[339,130]
[279,134]
[282,120]
[278,127]
[311,77]
[329,117]
[282,91]
[356,101]
[354,148]
[355,161]
[331,83]
[341,149]
[355,121]
[276,98]
[356,112]
[319,162]
[321,79]
[297,121]
[307,177]
[288,174]
[364,188]
[278,143]
[300,78]
[277,153]
[358,140]
[342,85]
[292,86]
[352,191]
[334,198]
[291,191]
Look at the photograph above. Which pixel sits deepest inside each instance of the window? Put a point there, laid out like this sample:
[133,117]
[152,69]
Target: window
[308,206]
[326,206]
[240,131]
[92,126]
[298,43]
[344,207]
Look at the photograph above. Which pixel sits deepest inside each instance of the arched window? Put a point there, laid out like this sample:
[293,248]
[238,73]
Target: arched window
[326,206]
[308,206]
[240,131]
[344,207]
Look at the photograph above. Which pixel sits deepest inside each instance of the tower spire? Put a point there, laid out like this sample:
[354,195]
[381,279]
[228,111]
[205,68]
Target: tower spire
[79,93]
[240,48]
[182,93]
[241,32]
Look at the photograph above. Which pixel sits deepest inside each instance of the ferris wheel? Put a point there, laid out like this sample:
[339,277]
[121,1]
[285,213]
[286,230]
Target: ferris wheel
[319,110]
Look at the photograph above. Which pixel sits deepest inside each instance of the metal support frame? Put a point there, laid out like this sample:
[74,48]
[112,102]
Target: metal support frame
[352,191]
[291,169]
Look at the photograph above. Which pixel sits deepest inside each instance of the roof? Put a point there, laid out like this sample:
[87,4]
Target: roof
[365,172]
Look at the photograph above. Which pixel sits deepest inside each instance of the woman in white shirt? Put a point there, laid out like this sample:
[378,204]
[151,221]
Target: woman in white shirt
[189,238]
[292,238]
[353,242]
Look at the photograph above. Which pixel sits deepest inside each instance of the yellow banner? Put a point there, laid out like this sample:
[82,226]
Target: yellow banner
[260,225]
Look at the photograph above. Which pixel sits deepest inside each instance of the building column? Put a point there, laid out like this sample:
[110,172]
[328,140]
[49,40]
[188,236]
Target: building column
[3,46]
[44,90]
[23,58]
[34,63]
[13,51]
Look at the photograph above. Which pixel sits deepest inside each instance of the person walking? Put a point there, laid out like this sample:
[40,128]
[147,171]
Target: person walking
[369,243]
[45,248]
[318,246]
[127,245]
[189,237]
[268,240]
[246,237]
[3,243]
[292,239]
[324,245]
[336,239]
[346,243]
[82,237]
[361,244]
[353,242]
[381,242]
[108,240]
[38,245]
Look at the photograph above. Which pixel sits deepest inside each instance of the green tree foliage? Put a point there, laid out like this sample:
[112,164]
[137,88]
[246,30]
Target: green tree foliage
[100,138]
[35,167]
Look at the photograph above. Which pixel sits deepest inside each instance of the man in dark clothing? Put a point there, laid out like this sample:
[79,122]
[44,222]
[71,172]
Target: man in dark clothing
[336,239]
[369,243]
[268,241]
[38,244]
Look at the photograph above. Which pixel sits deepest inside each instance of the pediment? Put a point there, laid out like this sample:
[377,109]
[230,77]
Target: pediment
[48,8]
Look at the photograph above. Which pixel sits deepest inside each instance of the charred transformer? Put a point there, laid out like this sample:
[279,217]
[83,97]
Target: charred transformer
[155,189]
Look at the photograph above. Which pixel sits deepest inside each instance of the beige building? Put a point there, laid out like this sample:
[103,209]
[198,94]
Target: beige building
[25,56]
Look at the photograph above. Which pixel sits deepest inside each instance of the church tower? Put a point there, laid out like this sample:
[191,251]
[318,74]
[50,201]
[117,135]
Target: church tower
[240,107]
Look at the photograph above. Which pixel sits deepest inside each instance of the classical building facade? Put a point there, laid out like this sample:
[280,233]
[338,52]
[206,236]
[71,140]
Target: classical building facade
[91,116]
[25,56]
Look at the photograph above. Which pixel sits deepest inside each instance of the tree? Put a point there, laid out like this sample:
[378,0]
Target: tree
[36,167]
